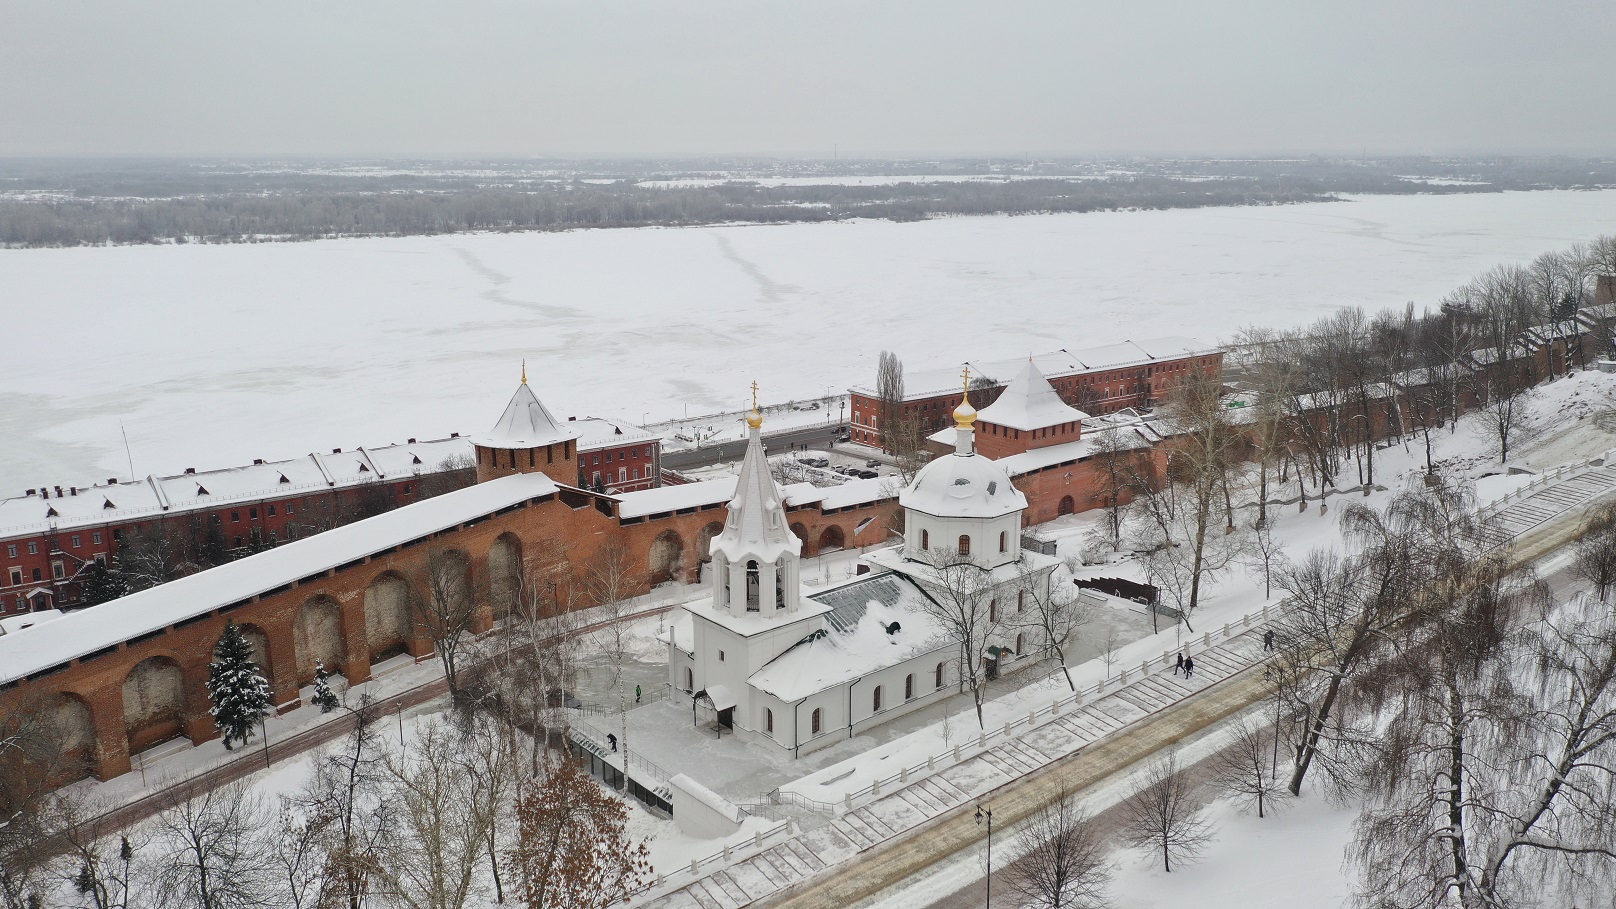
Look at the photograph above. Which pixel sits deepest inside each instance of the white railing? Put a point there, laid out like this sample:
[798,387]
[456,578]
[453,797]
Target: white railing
[731,854]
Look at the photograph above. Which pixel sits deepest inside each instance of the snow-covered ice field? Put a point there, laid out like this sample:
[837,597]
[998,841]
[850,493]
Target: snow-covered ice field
[214,355]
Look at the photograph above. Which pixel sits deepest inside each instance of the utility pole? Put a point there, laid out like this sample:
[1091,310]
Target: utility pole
[988,815]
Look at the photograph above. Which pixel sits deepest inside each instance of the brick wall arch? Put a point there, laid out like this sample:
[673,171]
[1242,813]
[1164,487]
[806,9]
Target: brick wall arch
[388,626]
[154,701]
[504,573]
[317,634]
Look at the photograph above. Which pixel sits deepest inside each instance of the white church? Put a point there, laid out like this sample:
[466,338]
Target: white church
[803,672]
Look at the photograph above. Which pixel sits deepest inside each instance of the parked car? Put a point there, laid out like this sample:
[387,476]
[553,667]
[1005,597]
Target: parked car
[867,474]
[872,464]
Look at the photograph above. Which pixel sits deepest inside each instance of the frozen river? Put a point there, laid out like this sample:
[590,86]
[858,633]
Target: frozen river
[214,355]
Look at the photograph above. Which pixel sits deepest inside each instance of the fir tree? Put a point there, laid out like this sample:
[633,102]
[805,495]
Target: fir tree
[239,693]
[323,698]
[98,584]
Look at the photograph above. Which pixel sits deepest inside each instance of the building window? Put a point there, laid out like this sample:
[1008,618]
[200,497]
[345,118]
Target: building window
[11,550]
[925,539]
[1021,600]
[16,576]
[622,474]
[752,604]
[690,680]
[816,720]
[768,721]
[271,511]
[235,516]
[780,584]
[1004,541]
[648,451]
[96,538]
[876,699]
[33,549]
[965,544]
[35,573]
[238,542]
[993,609]
[909,687]
[76,541]
[288,507]
[939,682]
[252,513]
[1019,639]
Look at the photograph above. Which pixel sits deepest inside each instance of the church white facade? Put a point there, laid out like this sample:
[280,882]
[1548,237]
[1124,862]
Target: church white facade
[802,672]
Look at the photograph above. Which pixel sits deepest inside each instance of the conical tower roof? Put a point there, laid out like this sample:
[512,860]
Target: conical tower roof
[1030,402]
[526,423]
[757,526]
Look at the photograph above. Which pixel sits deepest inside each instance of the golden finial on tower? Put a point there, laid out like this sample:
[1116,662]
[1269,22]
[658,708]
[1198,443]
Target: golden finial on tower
[755,418]
[965,414]
[524,370]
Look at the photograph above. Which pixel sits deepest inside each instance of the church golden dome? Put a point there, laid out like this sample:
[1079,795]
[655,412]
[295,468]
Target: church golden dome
[965,414]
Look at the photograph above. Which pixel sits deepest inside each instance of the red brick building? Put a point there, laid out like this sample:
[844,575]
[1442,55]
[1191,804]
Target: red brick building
[1097,381]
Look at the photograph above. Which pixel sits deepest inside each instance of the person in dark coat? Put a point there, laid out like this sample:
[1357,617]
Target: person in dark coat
[1268,639]
[1180,664]
[1189,667]
[611,740]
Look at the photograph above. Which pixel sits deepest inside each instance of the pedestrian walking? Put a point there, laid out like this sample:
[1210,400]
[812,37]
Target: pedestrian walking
[1268,639]
[1189,667]
[611,740]
[637,688]
[1179,666]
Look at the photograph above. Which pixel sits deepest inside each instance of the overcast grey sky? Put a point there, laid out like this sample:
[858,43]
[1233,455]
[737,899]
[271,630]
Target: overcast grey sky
[765,77]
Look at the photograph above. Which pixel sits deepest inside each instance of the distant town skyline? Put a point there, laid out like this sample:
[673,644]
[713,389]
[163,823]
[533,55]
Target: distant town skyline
[1251,77]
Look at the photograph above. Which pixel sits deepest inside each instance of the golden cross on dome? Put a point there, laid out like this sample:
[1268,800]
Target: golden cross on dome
[966,377]
[754,394]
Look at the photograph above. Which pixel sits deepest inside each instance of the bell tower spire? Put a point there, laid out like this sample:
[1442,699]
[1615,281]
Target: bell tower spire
[755,558]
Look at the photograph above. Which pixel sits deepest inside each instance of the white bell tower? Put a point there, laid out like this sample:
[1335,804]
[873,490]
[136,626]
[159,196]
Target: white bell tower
[755,558]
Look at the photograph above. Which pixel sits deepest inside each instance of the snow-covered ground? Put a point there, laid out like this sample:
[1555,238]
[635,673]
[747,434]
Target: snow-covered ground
[214,355]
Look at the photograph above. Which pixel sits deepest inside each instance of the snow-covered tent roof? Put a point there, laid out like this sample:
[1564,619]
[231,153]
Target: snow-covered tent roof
[757,526]
[1030,402]
[526,423]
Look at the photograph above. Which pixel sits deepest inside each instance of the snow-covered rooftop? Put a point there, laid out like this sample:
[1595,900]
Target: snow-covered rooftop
[1029,402]
[756,527]
[963,486]
[642,502]
[1055,364]
[119,500]
[856,642]
[526,423]
[747,624]
[89,630]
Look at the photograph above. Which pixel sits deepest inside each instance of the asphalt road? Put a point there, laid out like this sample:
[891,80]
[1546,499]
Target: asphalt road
[818,436]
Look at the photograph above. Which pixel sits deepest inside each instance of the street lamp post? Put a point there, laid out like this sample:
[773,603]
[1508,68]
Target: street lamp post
[988,815]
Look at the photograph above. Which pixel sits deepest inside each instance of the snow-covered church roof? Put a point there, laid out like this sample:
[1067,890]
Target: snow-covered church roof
[757,526]
[963,486]
[526,423]
[1029,402]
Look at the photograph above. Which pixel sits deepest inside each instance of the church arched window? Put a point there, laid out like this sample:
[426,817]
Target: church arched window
[925,539]
[993,609]
[768,721]
[780,584]
[965,544]
[1004,541]
[909,687]
[690,679]
[752,593]
[816,721]
[876,700]
[939,682]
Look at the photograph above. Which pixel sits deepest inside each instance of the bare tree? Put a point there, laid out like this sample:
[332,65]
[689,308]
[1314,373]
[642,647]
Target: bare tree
[889,394]
[36,752]
[348,796]
[447,612]
[962,601]
[296,852]
[1063,862]
[1053,612]
[211,851]
[572,848]
[1166,815]
[442,822]
[1119,453]
[1263,551]
[1245,769]
[1594,560]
